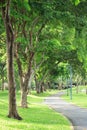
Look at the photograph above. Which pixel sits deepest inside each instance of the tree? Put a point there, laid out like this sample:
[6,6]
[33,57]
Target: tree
[10,54]
[30,32]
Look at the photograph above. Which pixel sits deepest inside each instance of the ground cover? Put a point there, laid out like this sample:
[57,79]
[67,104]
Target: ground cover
[79,99]
[37,117]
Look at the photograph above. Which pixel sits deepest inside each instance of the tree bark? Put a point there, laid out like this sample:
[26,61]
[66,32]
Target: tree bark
[77,89]
[37,84]
[30,82]
[10,68]
[2,83]
[42,87]
[24,79]
[22,86]
[24,99]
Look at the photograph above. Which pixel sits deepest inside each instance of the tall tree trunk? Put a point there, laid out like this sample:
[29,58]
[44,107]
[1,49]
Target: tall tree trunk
[37,85]
[2,83]
[77,89]
[24,91]
[42,87]
[10,69]
[86,91]
[30,81]
[24,103]
[22,87]
[24,80]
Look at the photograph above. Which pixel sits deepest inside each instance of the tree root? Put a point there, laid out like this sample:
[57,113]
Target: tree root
[14,116]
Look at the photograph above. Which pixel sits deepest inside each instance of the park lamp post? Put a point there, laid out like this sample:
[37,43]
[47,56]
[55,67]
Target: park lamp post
[69,79]
[70,69]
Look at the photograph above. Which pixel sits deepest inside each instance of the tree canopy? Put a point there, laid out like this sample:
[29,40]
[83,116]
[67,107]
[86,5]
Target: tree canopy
[42,38]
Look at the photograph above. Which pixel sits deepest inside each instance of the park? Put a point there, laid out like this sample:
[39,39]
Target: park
[43,64]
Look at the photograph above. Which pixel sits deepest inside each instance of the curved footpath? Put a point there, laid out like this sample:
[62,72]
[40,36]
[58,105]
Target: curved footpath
[77,115]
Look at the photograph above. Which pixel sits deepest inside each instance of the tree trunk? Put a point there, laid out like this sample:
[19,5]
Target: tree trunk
[37,85]
[24,99]
[42,87]
[77,86]
[24,81]
[2,83]
[22,87]
[23,94]
[10,69]
[30,81]
[77,89]
[86,91]
[27,79]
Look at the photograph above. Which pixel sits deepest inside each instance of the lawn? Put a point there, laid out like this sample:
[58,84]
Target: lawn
[79,99]
[37,117]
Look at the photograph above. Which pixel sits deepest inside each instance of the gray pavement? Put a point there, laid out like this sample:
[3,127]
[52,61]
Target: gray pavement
[77,115]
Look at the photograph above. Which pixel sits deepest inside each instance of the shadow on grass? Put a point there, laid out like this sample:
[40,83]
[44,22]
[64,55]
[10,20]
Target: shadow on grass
[36,117]
[42,115]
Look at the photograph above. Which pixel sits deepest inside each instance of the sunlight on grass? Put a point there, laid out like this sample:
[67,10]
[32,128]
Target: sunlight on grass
[79,99]
[37,117]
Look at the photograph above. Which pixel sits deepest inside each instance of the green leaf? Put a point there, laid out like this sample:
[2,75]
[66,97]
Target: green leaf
[77,2]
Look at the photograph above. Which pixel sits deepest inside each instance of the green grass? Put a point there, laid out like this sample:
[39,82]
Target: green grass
[79,99]
[37,117]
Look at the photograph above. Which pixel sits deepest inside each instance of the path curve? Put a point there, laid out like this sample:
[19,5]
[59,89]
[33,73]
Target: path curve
[77,115]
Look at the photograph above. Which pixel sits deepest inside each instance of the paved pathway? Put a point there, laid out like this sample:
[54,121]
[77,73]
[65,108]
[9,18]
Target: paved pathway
[77,115]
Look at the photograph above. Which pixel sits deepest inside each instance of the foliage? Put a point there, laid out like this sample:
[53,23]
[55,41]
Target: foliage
[55,32]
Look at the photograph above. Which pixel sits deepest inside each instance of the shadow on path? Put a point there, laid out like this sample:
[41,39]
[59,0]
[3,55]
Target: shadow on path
[77,115]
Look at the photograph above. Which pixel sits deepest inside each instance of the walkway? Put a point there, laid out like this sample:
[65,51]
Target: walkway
[77,115]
